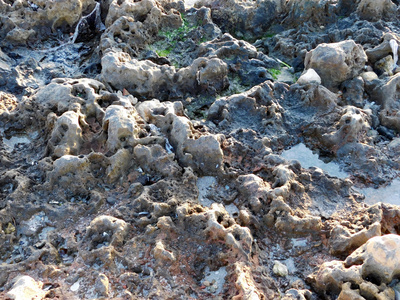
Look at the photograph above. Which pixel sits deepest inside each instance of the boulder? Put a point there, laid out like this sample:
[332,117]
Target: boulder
[375,10]
[379,259]
[365,274]
[336,62]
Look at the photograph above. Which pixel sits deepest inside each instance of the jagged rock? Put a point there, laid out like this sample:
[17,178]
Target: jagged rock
[199,151]
[245,284]
[319,12]
[156,160]
[342,241]
[376,10]
[371,268]
[121,126]
[102,285]
[351,127]
[148,80]
[386,95]
[336,62]
[62,93]
[377,259]
[382,50]
[353,91]
[66,138]
[241,17]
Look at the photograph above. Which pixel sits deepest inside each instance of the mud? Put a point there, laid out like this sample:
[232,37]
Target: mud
[202,150]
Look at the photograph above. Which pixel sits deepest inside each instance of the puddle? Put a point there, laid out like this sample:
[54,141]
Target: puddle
[20,138]
[216,279]
[308,159]
[388,194]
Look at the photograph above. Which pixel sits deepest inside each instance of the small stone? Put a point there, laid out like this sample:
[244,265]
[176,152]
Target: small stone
[75,286]
[111,200]
[280,269]
[10,229]
[308,77]
[206,283]
[101,285]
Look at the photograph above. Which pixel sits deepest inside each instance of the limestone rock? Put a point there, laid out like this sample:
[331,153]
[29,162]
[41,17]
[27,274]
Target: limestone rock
[342,241]
[374,10]
[378,258]
[102,285]
[245,284]
[66,138]
[25,287]
[104,231]
[280,269]
[121,127]
[370,268]
[336,62]
[386,96]
[309,76]
[147,80]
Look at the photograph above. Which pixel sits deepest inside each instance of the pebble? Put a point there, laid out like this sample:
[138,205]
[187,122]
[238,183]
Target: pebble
[111,200]
[280,269]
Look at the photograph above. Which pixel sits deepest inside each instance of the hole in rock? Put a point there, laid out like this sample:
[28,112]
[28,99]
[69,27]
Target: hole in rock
[373,278]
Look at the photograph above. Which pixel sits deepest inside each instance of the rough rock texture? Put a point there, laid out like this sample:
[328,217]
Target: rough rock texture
[218,150]
[366,273]
[336,62]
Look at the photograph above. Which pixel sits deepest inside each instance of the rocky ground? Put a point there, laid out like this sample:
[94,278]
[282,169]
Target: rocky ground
[141,149]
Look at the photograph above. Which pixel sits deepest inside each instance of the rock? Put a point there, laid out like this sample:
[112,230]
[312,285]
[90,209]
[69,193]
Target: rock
[336,62]
[384,66]
[5,68]
[376,10]
[245,285]
[352,127]
[382,50]
[102,285]
[280,269]
[371,267]
[66,138]
[386,95]
[25,287]
[104,231]
[309,76]
[343,242]
[121,126]
[377,258]
[163,255]
[148,80]
[353,91]
[294,294]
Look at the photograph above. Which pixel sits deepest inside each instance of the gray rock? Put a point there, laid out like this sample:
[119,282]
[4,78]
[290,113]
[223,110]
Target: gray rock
[336,62]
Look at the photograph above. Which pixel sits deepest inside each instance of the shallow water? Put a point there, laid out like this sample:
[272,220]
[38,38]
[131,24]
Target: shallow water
[387,194]
[308,159]
[18,139]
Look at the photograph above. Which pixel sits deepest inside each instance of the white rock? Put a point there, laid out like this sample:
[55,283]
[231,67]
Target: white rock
[25,287]
[309,76]
[280,269]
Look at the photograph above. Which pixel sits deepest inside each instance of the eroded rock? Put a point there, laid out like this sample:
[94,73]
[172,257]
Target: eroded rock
[336,62]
